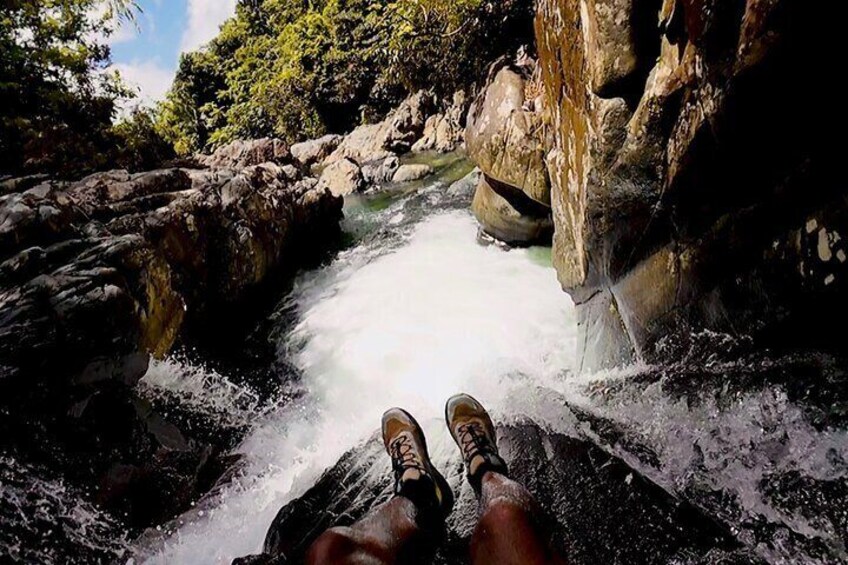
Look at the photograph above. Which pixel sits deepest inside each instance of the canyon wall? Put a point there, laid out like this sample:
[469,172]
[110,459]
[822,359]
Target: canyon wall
[694,170]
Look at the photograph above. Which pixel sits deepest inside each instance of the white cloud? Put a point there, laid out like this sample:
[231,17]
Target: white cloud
[204,19]
[150,78]
[124,33]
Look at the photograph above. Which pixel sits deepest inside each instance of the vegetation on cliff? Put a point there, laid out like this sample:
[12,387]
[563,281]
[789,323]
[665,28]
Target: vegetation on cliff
[297,69]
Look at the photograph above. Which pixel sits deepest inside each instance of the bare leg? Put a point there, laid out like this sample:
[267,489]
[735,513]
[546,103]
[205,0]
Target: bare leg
[393,532]
[508,532]
[381,537]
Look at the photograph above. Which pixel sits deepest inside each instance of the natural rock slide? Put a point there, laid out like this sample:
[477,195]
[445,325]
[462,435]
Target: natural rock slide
[662,143]
[101,275]
[674,153]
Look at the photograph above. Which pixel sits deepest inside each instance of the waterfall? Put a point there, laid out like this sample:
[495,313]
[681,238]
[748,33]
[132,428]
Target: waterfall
[413,313]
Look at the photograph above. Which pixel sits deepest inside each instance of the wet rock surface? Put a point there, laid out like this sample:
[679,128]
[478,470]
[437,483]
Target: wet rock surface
[690,170]
[725,457]
[758,443]
[509,216]
[100,274]
[42,515]
[598,509]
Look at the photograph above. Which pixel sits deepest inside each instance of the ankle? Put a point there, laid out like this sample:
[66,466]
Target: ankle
[492,470]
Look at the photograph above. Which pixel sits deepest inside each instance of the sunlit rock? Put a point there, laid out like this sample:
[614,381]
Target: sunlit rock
[342,177]
[684,161]
[445,132]
[314,151]
[505,133]
[411,172]
[244,153]
[395,134]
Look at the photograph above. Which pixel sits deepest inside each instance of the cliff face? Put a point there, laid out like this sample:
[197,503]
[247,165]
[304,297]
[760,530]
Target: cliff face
[694,184]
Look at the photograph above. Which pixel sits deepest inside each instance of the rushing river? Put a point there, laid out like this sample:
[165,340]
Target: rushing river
[415,309]
[413,312]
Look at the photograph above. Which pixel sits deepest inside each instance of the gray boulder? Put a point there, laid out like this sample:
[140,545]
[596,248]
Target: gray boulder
[314,151]
[380,172]
[409,173]
[407,122]
[445,132]
[467,185]
[342,177]
[241,153]
[395,134]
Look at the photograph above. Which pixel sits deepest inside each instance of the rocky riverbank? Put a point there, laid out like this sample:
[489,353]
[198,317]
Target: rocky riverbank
[99,276]
[368,157]
[102,274]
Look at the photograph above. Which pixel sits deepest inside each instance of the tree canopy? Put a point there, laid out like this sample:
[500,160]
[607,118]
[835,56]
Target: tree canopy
[58,94]
[292,69]
[296,69]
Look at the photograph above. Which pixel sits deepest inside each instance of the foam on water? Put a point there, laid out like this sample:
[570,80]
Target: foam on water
[42,515]
[437,315]
[204,391]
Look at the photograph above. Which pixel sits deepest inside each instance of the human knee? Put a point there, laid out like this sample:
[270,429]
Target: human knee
[334,545]
[503,512]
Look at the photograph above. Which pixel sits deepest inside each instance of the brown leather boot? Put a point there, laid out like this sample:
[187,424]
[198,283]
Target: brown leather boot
[474,433]
[415,476]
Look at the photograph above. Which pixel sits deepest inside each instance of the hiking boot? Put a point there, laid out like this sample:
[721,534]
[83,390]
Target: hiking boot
[474,433]
[415,476]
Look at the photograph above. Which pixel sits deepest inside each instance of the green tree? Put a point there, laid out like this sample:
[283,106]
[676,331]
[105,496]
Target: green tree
[137,142]
[300,68]
[58,97]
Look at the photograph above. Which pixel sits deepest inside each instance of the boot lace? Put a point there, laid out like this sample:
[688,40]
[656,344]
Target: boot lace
[404,456]
[473,440]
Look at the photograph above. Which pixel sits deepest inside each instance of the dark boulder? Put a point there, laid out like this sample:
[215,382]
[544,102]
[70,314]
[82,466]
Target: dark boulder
[598,509]
[98,275]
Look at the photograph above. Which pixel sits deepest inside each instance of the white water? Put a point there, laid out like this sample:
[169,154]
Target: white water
[437,315]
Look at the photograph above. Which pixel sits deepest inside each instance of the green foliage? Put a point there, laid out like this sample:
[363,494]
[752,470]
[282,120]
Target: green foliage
[137,142]
[58,98]
[300,68]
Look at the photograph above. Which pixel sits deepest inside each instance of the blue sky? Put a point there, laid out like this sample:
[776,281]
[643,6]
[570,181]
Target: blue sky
[146,54]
